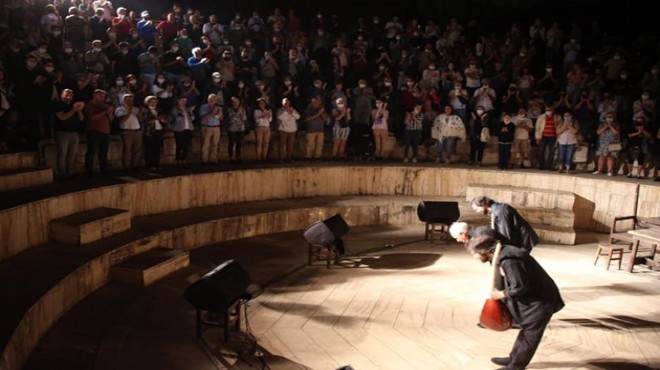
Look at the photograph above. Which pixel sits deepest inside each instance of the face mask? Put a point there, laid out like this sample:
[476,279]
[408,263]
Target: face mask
[616,57]
[248,43]
[240,85]
[68,51]
[184,36]
[49,69]
[645,96]
[522,115]
[363,86]
[431,67]
[287,83]
[320,33]
[119,82]
[57,33]
[317,85]
[135,35]
[480,111]
[623,77]
[549,70]
[98,50]
[133,82]
[31,64]
[522,55]
[548,113]
[174,50]
[124,51]
[341,106]
[568,118]
[473,66]
[507,120]
[410,83]
[398,38]
[379,105]
[43,51]
[486,86]
[217,80]
[112,35]
[226,42]
[609,119]
[388,84]
[654,71]
[186,84]
[161,80]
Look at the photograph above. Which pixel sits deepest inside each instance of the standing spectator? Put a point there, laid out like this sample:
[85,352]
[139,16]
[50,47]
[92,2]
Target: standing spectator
[413,132]
[637,138]
[149,64]
[168,30]
[521,139]
[146,29]
[181,122]
[98,116]
[567,141]
[174,64]
[473,76]
[546,137]
[237,117]
[131,133]
[211,117]
[380,116]
[152,123]
[263,116]
[644,107]
[363,95]
[287,127]
[213,30]
[199,67]
[505,140]
[458,99]
[98,25]
[68,123]
[478,123]
[122,24]
[485,96]
[448,129]
[74,29]
[342,128]
[608,133]
[315,119]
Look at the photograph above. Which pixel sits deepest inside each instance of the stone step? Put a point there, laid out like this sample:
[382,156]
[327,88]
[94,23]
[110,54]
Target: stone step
[148,267]
[16,178]
[89,226]
[523,197]
[11,161]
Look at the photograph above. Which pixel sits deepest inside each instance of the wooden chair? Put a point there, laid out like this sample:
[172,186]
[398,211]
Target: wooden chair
[619,233]
[326,253]
[613,253]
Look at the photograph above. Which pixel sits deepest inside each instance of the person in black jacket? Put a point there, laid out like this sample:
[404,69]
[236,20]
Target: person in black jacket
[529,293]
[508,222]
[505,130]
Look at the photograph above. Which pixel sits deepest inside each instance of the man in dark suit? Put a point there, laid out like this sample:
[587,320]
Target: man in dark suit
[508,222]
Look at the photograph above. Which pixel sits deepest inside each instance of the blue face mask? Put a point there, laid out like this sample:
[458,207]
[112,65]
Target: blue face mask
[568,118]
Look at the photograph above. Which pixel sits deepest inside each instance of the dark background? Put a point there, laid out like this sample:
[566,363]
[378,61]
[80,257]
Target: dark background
[620,18]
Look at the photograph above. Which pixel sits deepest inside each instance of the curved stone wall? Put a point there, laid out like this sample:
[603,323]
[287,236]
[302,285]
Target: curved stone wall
[599,199]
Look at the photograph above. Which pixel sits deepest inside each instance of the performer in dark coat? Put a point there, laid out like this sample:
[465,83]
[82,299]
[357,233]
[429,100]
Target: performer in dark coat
[528,291]
[508,222]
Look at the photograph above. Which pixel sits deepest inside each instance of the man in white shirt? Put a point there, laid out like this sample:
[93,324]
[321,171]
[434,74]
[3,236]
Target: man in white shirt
[521,142]
[485,96]
[448,129]
[131,134]
[287,128]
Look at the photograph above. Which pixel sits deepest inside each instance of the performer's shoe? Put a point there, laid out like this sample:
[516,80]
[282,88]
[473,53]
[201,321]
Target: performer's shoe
[502,361]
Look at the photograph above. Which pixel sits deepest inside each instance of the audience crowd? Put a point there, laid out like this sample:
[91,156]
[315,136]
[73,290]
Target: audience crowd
[80,67]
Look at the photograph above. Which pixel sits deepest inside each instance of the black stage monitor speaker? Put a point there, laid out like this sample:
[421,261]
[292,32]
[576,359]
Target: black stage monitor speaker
[325,232]
[219,289]
[438,212]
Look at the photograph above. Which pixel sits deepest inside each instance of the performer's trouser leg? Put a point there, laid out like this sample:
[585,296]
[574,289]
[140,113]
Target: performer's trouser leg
[527,342]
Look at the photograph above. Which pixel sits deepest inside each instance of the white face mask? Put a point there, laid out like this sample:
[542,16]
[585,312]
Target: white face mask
[388,84]
[57,33]
[609,119]
[548,113]
[363,86]
[175,49]
[68,50]
[480,112]
[645,96]
[287,83]
[49,69]
[341,106]
[124,52]
[43,51]
[241,85]
[119,82]
[98,50]
[161,80]
[216,80]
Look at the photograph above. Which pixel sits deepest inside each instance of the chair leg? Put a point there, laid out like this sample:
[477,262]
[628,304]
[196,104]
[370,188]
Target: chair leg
[609,259]
[620,258]
[597,255]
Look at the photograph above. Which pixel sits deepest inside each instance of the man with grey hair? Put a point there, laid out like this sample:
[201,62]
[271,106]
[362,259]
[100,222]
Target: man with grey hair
[462,232]
[508,222]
